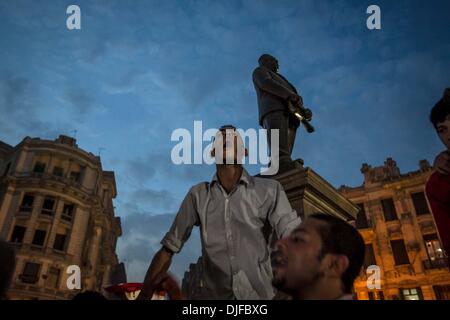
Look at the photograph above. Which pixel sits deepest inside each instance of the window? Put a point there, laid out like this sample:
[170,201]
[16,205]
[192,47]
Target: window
[47,207]
[67,213]
[420,203]
[27,203]
[60,242]
[53,277]
[433,246]
[75,176]
[389,210]
[399,251]
[18,234]
[6,169]
[369,257]
[58,171]
[442,292]
[39,167]
[39,237]
[412,294]
[361,218]
[30,272]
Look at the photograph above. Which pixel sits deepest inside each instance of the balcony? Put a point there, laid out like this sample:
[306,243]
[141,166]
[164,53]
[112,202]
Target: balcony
[440,263]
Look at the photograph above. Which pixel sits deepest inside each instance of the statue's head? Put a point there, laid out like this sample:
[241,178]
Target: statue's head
[268,61]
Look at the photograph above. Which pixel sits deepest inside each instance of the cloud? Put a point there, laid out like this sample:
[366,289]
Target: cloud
[141,240]
[20,109]
[155,199]
[152,165]
[79,99]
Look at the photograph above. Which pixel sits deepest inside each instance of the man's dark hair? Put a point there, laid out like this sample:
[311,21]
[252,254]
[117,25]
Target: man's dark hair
[339,237]
[441,109]
[89,295]
[7,265]
[227,127]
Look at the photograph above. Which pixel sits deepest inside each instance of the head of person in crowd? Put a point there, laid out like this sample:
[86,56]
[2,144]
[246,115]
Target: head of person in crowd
[228,147]
[89,295]
[440,118]
[319,260]
[7,265]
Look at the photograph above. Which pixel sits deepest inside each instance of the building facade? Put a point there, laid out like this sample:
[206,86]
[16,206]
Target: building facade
[56,206]
[400,235]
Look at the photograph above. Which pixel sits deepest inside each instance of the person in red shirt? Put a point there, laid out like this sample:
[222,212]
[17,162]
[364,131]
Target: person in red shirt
[438,186]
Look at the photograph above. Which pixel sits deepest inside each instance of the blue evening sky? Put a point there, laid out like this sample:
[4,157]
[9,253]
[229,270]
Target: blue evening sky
[137,70]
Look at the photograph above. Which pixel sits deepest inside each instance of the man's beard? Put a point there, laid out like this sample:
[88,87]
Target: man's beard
[282,284]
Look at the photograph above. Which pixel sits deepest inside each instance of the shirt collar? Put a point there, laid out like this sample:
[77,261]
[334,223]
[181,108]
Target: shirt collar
[245,178]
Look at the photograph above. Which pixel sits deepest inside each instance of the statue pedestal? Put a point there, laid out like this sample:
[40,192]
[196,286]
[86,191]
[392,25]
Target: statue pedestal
[309,193]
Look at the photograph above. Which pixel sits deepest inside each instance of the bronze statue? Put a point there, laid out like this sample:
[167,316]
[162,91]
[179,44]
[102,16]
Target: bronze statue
[280,107]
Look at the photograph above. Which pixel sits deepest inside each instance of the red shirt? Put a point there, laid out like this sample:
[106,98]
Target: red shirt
[438,195]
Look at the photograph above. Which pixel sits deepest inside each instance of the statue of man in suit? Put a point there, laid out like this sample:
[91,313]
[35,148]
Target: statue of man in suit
[274,93]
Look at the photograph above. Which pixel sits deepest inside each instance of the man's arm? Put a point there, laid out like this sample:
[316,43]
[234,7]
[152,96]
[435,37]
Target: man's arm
[159,266]
[172,243]
[281,216]
[264,81]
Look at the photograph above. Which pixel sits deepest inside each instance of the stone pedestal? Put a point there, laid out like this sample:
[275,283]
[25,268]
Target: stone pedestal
[309,193]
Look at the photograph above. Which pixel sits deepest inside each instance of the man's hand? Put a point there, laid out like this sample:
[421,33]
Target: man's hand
[171,287]
[156,273]
[442,163]
[162,282]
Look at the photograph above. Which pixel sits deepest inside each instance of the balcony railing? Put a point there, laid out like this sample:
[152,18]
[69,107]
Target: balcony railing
[435,264]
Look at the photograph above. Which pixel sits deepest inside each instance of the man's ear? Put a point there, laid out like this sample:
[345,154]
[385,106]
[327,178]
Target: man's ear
[339,264]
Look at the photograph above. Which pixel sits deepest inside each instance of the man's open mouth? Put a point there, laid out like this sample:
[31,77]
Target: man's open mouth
[278,259]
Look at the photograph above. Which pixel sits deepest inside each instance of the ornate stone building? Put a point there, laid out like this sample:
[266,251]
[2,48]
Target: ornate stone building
[400,234]
[56,206]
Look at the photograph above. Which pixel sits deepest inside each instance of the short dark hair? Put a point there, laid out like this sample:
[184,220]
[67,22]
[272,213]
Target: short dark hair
[339,237]
[441,109]
[89,295]
[227,127]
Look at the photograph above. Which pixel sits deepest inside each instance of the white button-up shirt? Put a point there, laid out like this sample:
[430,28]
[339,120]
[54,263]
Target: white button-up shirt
[235,243]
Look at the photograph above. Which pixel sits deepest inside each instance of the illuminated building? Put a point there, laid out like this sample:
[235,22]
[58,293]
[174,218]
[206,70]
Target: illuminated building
[400,234]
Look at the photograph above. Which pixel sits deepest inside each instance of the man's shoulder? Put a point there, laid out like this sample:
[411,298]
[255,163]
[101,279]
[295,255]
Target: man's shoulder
[438,184]
[199,187]
[266,183]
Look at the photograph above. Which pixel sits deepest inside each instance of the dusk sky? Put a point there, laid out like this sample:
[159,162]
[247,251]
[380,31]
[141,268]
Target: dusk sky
[137,70]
